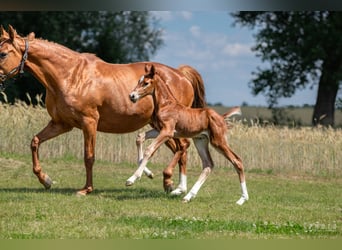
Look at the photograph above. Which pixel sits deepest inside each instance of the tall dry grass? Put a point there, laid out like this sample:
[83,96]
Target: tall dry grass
[269,149]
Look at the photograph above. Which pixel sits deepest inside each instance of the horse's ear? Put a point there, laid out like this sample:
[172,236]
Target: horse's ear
[12,32]
[31,36]
[3,32]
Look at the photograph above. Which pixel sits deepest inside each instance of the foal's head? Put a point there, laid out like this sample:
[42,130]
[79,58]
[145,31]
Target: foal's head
[146,84]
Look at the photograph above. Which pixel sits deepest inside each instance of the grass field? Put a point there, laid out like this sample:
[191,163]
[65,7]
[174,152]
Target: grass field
[294,178]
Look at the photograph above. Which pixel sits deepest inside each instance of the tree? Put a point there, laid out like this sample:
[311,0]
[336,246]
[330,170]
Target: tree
[117,37]
[303,49]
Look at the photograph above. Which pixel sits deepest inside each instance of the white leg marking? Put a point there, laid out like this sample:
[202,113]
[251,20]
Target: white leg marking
[182,187]
[194,190]
[244,196]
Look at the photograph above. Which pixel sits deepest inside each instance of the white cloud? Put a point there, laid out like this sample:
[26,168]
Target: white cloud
[187,15]
[167,16]
[237,49]
[195,31]
[164,16]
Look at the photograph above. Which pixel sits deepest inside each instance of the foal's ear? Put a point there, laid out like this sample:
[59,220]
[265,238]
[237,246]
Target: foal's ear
[149,69]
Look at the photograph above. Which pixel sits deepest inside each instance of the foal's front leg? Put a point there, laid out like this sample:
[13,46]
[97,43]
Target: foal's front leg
[153,133]
[161,138]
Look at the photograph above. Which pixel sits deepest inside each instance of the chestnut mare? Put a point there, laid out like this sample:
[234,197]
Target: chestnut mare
[173,119]
[85,92]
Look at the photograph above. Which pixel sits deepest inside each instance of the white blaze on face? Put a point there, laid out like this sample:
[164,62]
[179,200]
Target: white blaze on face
[142,79]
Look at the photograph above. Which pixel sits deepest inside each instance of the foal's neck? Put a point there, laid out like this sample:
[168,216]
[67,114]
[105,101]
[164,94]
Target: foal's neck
[162,94]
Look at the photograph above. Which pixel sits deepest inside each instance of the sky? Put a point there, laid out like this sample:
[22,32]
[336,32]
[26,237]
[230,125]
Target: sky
[221,52]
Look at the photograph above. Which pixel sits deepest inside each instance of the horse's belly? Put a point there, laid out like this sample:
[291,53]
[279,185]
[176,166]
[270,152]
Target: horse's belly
[122,124]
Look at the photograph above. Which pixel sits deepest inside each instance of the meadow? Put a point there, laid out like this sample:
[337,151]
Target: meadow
[294,177]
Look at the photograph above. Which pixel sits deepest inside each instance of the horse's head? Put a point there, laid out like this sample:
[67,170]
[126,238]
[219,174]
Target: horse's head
[146,84]
[12,57]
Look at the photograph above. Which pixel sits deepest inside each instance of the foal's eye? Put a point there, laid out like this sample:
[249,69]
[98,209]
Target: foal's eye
[145,84]
[3,55]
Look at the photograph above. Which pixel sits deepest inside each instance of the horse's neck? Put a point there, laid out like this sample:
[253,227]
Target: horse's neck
[48,61]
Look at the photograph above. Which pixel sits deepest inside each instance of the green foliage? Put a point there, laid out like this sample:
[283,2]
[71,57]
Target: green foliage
[301,49]
[117,37]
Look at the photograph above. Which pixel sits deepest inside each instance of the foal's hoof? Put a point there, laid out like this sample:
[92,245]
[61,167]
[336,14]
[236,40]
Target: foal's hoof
[178,191]
[184,200]
[129,183]
[242,200]
[150,175]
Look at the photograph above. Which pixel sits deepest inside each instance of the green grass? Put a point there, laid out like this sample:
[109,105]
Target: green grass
[280,206]
[294,177]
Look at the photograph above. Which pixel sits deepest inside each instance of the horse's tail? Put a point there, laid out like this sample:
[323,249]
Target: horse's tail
[231,112]
[197,83]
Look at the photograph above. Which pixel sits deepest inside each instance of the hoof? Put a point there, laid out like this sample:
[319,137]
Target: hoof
[47,182]
[242,200]
[178,191]
[84,191]
[185,200]
[129,183]
[168,189]
[151,175]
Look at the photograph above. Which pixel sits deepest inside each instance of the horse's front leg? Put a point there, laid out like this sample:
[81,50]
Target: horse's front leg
[179,148]
[161,138]
[89,133]
[53,129]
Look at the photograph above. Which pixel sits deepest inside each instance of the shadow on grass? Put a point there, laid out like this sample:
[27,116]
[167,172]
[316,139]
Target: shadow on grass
[125,193]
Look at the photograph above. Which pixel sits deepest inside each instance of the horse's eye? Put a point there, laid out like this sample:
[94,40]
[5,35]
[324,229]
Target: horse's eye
[3,55]
[145,84]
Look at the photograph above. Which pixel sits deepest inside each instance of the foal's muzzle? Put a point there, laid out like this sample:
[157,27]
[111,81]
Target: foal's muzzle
[133,97]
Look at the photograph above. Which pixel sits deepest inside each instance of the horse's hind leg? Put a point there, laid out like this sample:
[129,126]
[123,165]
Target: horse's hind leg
[51,130]
[179,148]
[222,147]
[201,144]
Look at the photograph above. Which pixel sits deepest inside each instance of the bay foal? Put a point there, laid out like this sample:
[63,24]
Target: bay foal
[172,119]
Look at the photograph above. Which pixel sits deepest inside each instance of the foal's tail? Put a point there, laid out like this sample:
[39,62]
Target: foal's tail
[231,112]
[197,83]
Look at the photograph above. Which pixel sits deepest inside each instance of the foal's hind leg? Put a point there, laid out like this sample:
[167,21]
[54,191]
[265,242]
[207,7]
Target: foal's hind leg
[222,147]
[201,144]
